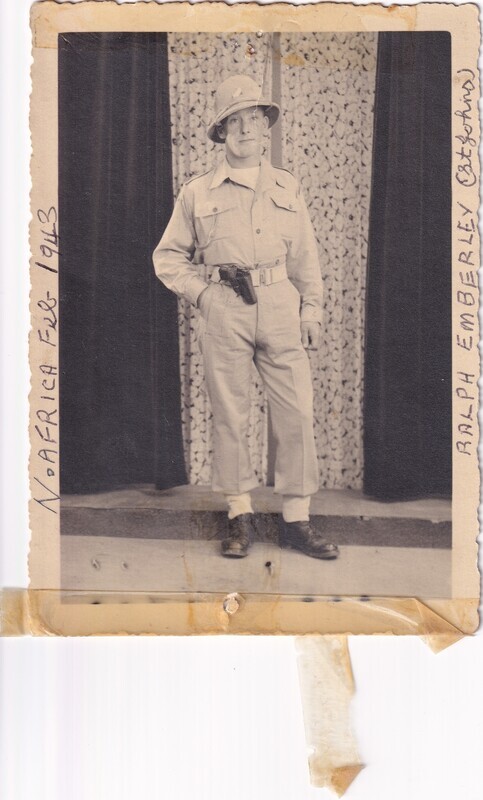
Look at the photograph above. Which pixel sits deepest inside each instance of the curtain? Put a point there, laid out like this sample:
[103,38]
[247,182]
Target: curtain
[327,95]
[119,358]
[407,415]
[325,84]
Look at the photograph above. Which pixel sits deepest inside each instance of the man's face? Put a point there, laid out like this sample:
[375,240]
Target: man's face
[244,132]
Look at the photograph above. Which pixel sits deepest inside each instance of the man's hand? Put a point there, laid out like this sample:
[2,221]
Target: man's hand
[203,300]
[310,335]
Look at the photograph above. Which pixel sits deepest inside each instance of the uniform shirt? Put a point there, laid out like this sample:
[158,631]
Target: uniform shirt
[219,220]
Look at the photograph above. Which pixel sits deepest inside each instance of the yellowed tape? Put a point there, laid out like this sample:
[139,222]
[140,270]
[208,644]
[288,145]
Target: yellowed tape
[327,687]
[55,613]
[325,673]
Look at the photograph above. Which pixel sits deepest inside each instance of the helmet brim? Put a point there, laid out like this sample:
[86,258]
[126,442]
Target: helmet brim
[272,111]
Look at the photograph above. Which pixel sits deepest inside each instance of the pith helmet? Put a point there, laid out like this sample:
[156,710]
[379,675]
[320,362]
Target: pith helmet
[235,94]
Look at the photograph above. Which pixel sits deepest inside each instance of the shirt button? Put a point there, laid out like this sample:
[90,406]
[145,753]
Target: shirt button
[258,230]
[215,209]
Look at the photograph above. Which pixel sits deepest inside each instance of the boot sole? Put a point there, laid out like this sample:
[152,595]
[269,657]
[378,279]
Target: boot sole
[328,556]
[234,554]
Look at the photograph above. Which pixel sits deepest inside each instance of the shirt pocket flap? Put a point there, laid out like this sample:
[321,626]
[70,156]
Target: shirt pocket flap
[210,208]
[284,199]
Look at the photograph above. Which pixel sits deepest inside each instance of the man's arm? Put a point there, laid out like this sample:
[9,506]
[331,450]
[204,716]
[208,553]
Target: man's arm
[304,272]
[303,266]
[173,257]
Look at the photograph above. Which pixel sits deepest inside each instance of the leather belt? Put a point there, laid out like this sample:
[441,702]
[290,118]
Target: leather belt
[261,276]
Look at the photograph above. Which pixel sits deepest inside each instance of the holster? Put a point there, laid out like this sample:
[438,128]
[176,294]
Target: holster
[240,281]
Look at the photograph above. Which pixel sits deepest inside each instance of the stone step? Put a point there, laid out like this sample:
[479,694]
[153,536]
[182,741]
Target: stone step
[155,523]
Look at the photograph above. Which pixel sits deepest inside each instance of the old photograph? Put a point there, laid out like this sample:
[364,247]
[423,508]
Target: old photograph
[254,307]
[255,311]
[253,404]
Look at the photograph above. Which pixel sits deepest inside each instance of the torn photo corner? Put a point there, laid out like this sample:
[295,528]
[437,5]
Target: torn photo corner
[254,303]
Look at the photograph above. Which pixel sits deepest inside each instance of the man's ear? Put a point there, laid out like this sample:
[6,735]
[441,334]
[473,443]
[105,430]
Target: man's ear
[266,123]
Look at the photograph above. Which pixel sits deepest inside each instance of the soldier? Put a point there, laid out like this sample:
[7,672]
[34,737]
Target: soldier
[258,291]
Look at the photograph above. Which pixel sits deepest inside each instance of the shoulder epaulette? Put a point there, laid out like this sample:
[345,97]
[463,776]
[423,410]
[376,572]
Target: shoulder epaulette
[282,169]
[286,174]
[198,175]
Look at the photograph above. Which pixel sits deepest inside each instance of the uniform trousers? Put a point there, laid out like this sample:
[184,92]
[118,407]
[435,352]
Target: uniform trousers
[232,335]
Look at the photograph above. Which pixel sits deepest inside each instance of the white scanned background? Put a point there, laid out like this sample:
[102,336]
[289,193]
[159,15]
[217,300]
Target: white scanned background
[189,718]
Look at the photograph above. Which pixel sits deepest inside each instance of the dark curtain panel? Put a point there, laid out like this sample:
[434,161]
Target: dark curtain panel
[120,403]
[407,414]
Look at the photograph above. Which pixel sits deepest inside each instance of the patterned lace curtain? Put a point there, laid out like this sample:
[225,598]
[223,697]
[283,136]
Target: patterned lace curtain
[326,87]
[327,96]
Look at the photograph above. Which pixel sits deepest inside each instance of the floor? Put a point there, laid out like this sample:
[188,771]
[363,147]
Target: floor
[166,565]
[144,540]
[195,512]
[201,498]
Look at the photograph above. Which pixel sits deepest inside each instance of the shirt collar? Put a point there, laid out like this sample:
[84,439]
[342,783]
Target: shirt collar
[220,174]
[269,176]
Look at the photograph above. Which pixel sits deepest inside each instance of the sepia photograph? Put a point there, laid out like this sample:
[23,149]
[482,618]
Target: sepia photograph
[255,312]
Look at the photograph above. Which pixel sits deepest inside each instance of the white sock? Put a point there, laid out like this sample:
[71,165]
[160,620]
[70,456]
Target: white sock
[295,509]
[238,504]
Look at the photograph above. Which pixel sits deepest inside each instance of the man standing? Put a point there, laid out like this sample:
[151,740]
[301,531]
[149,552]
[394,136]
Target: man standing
[258,290]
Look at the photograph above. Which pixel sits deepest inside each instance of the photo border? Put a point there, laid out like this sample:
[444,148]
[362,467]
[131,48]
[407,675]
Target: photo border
[59,611]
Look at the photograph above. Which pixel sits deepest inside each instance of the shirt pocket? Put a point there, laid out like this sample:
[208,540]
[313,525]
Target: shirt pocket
[285,207]
[214,220]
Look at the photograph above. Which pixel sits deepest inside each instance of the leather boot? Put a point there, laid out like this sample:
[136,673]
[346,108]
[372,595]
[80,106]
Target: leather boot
[304,537]
[240,536]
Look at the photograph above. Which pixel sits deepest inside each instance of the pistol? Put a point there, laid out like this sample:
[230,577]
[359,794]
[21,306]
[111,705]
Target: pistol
[240,280]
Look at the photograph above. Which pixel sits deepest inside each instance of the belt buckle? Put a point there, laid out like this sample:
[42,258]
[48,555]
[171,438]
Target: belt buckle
[266,276]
